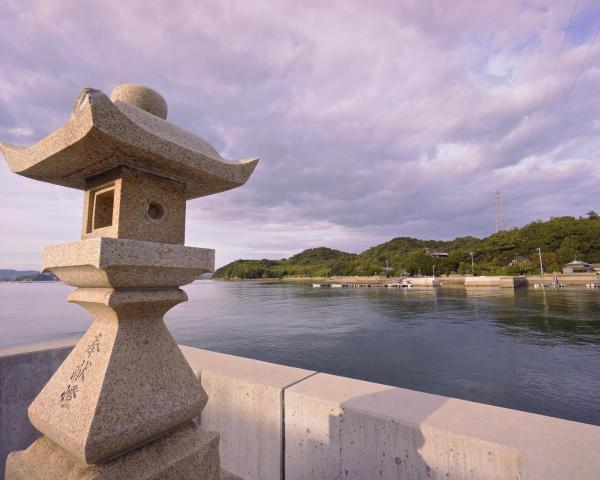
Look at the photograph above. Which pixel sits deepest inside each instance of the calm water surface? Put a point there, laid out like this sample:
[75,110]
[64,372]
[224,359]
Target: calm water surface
[531,350]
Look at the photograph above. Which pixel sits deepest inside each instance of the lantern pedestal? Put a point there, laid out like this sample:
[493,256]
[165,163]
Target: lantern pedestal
[126,383]
[186,453]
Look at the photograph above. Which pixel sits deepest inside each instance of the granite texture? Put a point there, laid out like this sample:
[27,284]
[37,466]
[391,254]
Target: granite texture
[225,475]
[125,382]
[142,207]
[119,263]
[185,454]
[101,135]
[142,97]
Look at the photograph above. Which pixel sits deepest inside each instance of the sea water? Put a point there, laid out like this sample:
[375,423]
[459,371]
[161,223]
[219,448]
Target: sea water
[532,350]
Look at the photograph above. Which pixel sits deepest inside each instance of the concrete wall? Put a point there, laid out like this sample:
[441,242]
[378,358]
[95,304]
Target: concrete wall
[425,281]
[487,281]
[338,428]
[23,373]
[280,422]
[571,280]
[245,405]
[482,281]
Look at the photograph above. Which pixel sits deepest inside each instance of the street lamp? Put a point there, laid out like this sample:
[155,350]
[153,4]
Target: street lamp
[472,264]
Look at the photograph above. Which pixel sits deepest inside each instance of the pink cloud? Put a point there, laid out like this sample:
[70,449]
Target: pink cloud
[392,119]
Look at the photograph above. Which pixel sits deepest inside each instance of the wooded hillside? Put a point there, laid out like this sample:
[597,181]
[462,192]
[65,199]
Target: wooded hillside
[561,239]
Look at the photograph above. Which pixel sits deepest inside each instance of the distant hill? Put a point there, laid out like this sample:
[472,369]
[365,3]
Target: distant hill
[318,256]
[26,275]
[561,239]
[311,262]
[14,274]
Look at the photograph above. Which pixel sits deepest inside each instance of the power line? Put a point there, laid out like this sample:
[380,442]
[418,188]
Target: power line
[586,113]
[581,65]
[560,51]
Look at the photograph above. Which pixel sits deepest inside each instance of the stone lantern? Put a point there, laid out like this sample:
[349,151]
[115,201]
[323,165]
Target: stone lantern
[123,403]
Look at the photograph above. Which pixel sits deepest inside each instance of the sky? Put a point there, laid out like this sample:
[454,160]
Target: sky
[372,119]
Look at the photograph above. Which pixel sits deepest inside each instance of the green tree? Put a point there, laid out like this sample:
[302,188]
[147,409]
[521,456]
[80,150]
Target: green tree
[419,262]
[570,248]
[561,240]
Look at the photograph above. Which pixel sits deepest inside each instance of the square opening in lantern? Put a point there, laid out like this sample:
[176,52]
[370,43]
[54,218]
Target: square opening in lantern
[103,205]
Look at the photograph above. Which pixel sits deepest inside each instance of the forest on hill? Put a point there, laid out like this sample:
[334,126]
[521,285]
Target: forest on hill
[561,240]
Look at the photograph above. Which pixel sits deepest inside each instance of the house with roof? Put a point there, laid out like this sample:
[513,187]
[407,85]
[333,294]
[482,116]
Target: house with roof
[578,266]
[517,262]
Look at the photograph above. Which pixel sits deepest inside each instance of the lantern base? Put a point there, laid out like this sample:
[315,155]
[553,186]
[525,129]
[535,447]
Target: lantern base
[187,453]
[124,384]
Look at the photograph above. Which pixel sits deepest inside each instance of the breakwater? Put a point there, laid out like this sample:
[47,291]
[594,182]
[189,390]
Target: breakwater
[569,280]
[281,422]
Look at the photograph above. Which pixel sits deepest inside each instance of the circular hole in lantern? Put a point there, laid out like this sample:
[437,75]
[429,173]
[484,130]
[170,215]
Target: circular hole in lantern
[155,210]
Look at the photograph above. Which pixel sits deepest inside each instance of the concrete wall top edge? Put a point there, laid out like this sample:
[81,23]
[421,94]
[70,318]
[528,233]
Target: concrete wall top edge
[547,447]
[401,403]
[246,369]
[37,347]
[370,398]
[347,390]
[538,435]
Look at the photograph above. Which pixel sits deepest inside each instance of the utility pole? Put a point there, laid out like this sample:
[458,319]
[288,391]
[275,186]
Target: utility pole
[541,264]
[434,270]
[472,265]
[387,270]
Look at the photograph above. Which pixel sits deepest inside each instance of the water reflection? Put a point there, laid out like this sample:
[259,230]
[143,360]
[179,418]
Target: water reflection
[561,315]
[534,350]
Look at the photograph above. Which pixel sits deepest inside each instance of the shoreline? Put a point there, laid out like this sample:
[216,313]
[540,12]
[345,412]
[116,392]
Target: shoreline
[569,280]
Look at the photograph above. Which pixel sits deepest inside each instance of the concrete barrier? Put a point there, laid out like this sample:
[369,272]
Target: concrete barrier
[245,405]
[281,422]
[23,373]
[487,281]
[339,428]
[484,281]
[425,281]
[569,279]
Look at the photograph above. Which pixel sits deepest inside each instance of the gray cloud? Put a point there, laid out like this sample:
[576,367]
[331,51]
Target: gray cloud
[397,119]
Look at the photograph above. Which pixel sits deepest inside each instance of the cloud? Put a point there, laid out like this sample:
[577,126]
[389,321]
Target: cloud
[371,122]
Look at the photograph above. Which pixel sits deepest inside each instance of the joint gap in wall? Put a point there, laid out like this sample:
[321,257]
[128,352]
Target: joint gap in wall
[282,459]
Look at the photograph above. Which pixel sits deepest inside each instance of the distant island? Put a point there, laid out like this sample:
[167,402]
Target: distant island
[26,276]
[510,252]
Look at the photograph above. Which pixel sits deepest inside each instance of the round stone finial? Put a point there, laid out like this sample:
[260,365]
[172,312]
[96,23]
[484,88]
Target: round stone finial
[142,97]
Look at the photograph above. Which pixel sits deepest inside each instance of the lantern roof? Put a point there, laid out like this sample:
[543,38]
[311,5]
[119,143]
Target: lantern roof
[128,129]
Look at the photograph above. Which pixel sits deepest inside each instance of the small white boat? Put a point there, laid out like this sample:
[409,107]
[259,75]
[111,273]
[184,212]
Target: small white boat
[336,285]
[316,285]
